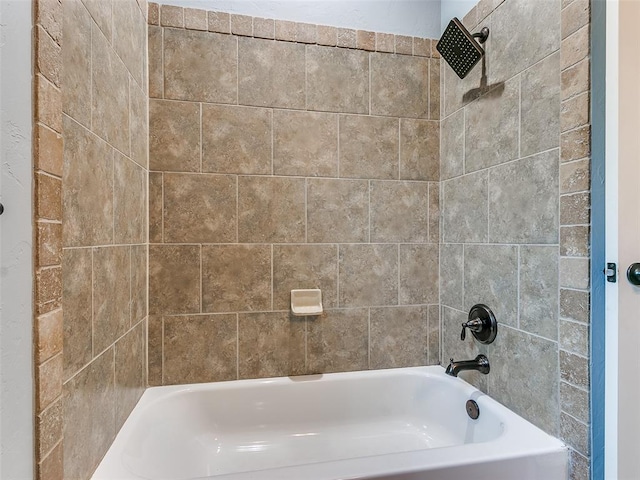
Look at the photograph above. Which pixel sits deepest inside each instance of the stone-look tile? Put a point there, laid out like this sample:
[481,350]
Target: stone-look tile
[574,48]
[52,467]
[153,13]
[346,38]
[540,106]
[491,128]
[154,350]
[327,35]
[110,101]
[48,197]
[385,42]
[575,144]
[434,213]
[574,433]
[139,255]
[305,266]
[579,466]
[575,209]
[48,287]
[76,58]
[418,274]
[241,25]
[574,401]
[433,335]
[459,92]
[574,112]
[271,210]
[236,278]
[129,32]
[511,358]
[434,89]
[129,201]
[50,335]
[574,241]
[470,20]
[264,27]
[398,85]
[338,341]
[139,125]
[368,147]
[200,349]
[404,44]
[465,215]
[49,383]
[286,30]
[529,185]
[491,277]
[419,150]
[574,273]
[574,337]
[174,279]
[451,275]
[102,14]
[219,22]
[87,188]
[366,40]
[541,37]
[539,290]
[48,103]
[76,303]
[574,369]
[337,80]
[171,16]
[156,74]
[271,74]
[399,212]
[49,428]
[199,208]
[434,51]
[574,305]
[195,19]
[306,33]
[111,295]
[130,374]
[305,143]
[575,176]
[48,150]
[337,211]
[422,47]
[89,416]
[200,66]
[452,146]
[575,80]
[398,337]
[368,275]
[48,244]
[155,207]
[270,345]
[236,139]
[49,15]
[174,136]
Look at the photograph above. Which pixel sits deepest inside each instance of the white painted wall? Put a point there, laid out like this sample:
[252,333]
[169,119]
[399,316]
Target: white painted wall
[16,346]
[420,18]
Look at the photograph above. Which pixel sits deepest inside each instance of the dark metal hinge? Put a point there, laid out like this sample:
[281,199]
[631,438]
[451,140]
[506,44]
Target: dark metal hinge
[611,272]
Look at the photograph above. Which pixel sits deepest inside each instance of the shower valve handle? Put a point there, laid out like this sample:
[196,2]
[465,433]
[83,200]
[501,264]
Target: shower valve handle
[474,325]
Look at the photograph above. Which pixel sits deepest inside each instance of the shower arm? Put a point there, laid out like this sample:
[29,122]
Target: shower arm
[482,35]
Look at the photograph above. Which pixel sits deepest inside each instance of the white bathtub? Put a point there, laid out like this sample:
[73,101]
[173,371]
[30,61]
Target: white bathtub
[407,424]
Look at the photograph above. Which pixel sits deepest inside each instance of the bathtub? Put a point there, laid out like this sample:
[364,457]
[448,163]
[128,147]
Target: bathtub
[404,424]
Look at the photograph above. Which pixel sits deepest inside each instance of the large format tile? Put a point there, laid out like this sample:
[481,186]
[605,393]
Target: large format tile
[539,290]
[236,278]
[130,371]
[271,74]
[174,136]
[419,150]
[368,275]
[270,345]
[452,145]
[304,266]
[76,58]
[139,125]
[200,349]
[399,85]
[129,201]
[523,200]
[129,32]
[236,139]
[398,337]
[418,274]
[139,294]
[399,211]
[174,279]
[199,208]
[338,341]
[200,66]
[156,74]
[451,275]
[337,80]
[305,143]
[465,216]
[337,211]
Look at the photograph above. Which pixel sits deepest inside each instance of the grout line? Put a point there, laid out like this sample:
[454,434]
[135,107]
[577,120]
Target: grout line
[369,337]
[162,350]
[201,291]
[338,275]
[238,66]
[273,149]
[201,144]
[370,81]
[338,141]
[518,298]
[93,351]
[398,267]
[271,277]
[130,285]
[520,116]
[237,209]
[237,346]
[306,214]
[162,206]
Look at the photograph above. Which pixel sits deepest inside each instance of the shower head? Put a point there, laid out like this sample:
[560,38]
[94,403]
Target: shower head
[459,48]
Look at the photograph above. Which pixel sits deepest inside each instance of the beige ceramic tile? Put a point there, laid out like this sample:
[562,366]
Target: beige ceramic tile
[156,75]
[575,80]
[48,103]
[366,40]
[575,209]
[575,176]
[575,144]
[76,58]
[102,14]
[346,38]
[419,279]
[398,337]
[241,25]
[422,47]
[219,22]
[130,371]
[155,207]
[48,287]
[575,112]
[139,254]
[399,212]
[236,278]
[419,150]
[48,197]
[404,44]
[139,125]
[195,19]
[385,42]
[153,13]
[575,48]
[48,243]
[49,428]
[327,35]
[434,89]
[49,14]
[48,150]
[174,279]
[154,350]
[171,16]
[434,212]
[49,335]
[574,241]
[174,136]
[49,382]
[129,32]
[129,201]
[263,27]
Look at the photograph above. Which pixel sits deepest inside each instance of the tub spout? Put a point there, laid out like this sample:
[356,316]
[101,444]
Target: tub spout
[480,363]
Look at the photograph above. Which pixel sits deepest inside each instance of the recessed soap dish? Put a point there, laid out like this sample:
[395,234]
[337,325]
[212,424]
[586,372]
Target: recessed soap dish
[305,302]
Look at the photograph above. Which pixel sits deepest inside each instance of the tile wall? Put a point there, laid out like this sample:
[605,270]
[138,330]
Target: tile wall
[282,156]
[515,211]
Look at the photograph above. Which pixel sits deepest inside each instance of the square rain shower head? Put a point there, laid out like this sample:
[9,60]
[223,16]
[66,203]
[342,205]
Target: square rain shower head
[458,47]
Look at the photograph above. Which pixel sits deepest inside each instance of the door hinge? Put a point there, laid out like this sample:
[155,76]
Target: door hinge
[611,272]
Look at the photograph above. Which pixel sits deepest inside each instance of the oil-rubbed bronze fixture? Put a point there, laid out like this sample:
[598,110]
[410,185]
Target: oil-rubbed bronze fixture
[482,324]
[460,49]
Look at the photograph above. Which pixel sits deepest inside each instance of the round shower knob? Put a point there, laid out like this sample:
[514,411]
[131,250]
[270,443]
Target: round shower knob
[633,273]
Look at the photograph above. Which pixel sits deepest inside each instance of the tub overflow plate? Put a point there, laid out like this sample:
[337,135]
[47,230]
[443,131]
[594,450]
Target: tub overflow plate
[473,410]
